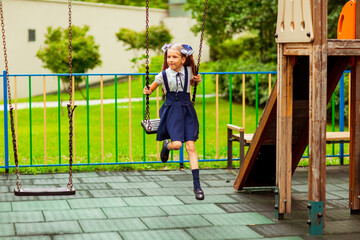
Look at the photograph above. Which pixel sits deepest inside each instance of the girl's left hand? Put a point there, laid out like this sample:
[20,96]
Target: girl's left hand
[195,79]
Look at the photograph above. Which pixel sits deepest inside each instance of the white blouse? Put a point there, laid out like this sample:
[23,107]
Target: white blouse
[171,77]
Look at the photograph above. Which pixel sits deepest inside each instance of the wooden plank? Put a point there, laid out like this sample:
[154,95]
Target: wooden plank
[297,49]
[317,104]
[344,47]
[257,140]
[337,136]
[354,165]
[284,131]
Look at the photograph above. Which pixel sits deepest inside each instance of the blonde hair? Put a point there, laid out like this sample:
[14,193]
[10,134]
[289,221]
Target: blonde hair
[188,62]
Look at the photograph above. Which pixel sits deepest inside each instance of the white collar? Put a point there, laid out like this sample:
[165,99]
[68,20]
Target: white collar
[173,73]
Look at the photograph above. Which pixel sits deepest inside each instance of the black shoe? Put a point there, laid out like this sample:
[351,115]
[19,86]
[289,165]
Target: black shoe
[165,152]
[199,194]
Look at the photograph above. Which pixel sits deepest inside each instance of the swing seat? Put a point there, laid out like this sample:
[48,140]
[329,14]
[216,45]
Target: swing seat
[154,124]
[44,191]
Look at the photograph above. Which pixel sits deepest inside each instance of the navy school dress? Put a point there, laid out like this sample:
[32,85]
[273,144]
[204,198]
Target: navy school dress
[178,119]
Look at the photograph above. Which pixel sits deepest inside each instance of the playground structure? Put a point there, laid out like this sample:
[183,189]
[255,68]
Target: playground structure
[310,62]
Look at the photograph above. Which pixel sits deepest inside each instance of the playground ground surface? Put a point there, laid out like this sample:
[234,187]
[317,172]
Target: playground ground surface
[161,205]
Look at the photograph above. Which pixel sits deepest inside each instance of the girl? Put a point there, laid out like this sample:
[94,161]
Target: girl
[178,116]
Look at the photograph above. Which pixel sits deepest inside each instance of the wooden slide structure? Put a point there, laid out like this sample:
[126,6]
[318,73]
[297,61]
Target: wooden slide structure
[309,68]
[259,166]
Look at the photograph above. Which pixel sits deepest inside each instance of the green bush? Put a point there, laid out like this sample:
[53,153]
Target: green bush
[233,65]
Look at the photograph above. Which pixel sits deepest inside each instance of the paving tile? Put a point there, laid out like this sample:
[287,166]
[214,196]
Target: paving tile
[133,185]
[3,177]
[218,190]
[283,238]
[13,217]
[208,199]
[167,191]
[74,214]
[116,193]
[192,209]
[220,183]
[175,222]
[76,175]
[283,229]
[89,236]
[131,212]
[61,181]
[215,171]
[152,201]
[109,179]
[148,178]
[340,194]
[342,227]
[109,225]
[79,194]
[4,189]
[248,207]
[7,229]
[300,188]
[223,232]
[237,219]
[164,173]
[46,228]
[173,234]
[126,173]
[96,202]
[342,203]
[27,238]
[12,183]
[32,176]
[40,205]
[190,177]
[10,197]
[91,186]
[5,206]
[174,184]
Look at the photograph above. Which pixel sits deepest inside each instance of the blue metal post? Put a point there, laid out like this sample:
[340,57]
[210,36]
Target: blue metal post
[341,117]
[6,137]
[181,156]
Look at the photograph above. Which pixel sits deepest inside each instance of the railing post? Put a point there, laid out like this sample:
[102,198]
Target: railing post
[6,136]
[341,117]
[181,156]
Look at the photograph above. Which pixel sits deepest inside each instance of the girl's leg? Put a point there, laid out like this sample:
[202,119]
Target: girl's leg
[167,146]
[175,145]
[194,164]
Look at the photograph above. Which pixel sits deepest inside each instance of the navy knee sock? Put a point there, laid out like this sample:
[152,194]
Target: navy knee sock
[196,178]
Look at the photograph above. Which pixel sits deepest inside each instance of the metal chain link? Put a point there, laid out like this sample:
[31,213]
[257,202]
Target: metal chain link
[200,50]
[69,106]
[18,181]
[147,109]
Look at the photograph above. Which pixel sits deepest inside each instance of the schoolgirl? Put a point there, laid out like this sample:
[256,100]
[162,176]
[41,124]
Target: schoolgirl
[178,119]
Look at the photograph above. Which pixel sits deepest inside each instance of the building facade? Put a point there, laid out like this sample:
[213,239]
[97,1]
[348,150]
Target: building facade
[26,23]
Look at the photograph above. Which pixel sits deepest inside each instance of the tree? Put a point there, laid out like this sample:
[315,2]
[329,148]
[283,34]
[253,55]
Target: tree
[226,18]
[55,52]
[139,3]
[158,35]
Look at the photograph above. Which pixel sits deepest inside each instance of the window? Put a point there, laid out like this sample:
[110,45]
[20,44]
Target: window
[31,35]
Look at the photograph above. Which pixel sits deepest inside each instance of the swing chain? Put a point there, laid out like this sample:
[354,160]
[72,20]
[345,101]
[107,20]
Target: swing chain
[200,50]
[147,110]
[69,106]
[18,182]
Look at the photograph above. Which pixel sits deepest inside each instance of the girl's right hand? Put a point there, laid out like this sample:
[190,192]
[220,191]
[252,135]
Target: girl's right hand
[147,91]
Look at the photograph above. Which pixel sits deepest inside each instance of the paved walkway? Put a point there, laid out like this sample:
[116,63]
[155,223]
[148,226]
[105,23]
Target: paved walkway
[161,205]
[55,104]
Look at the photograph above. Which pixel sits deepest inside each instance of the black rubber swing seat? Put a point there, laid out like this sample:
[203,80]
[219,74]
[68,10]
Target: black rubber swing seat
[44,191]
[154,124]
